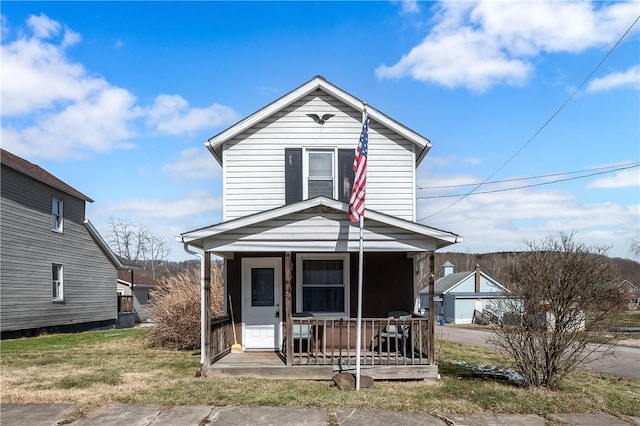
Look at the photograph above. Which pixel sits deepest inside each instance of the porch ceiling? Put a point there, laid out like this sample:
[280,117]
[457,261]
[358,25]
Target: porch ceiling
[317,224]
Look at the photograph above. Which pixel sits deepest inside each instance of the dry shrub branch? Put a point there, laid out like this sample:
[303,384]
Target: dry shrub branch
[176,309]
[564,294]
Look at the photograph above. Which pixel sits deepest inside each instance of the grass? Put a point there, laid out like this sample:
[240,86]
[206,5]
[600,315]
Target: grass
[95,369]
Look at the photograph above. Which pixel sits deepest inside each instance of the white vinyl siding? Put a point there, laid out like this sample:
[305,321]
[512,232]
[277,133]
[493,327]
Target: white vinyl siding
[316,231]
[253,173]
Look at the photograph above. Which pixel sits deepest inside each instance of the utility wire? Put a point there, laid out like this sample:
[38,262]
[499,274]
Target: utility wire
[529,186]
[462,185]
[544,125]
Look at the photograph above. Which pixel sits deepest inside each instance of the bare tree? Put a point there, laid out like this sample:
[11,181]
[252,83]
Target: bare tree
[126,240]
[635,248]
[564,296]
[157,253]
[136,243]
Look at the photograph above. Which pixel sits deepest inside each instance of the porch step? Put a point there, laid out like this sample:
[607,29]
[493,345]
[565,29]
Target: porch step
[271,366]
[273,372]
[395,372]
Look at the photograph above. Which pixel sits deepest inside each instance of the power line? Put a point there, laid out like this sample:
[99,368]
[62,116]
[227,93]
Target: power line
[462,185]
[530,186]
[544,125]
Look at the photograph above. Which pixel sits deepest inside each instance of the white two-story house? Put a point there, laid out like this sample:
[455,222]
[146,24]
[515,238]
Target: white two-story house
[289,247]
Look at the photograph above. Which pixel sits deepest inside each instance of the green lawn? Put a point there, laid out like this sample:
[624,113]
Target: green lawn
[97,368]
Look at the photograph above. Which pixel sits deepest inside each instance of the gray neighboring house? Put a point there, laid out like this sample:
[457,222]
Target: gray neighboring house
[459,294]
[56,271]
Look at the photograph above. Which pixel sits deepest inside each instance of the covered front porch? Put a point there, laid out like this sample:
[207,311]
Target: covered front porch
[391,349]
[291,279]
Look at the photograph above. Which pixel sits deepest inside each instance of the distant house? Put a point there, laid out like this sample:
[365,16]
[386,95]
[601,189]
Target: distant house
[631,294]
[459,295]
[143,287]
[56,273]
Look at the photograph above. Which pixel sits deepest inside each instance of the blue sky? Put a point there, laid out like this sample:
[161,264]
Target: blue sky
[117,99]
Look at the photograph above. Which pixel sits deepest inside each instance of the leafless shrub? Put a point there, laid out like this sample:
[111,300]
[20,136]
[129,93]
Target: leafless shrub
[175,309]
[564,295]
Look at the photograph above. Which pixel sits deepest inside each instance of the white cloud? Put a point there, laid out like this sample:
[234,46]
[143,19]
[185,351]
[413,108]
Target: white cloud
[164,217]
[622,179]
[55,108]
[409,6]
[171,114]
[480,45]
[96,124]
[157,211]
[43,27]
[194,163]
[625,79]
[502,221]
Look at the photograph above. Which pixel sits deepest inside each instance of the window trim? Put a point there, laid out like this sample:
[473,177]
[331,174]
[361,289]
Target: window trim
[301,257]
[58,216]
[57,291]
[305,169]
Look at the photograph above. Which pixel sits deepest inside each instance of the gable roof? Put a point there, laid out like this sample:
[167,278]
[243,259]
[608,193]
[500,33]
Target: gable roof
[38,173]
[319,205]
[215,143]
[444,284]
[449,282]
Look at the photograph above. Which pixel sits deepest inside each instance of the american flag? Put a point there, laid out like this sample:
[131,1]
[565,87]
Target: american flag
[356,203]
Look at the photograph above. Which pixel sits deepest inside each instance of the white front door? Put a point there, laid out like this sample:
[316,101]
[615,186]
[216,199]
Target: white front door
[261,297]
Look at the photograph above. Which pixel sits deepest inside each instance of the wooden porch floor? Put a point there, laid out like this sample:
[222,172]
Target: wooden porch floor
[271,365]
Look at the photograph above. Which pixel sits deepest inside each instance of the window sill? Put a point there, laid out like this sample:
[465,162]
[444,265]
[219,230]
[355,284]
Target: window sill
[58,301]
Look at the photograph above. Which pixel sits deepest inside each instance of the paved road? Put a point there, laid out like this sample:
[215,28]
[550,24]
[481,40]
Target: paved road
[624,362]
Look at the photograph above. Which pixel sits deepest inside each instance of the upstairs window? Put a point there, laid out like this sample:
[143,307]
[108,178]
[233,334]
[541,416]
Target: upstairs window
[56,214]
[320,175]
[57,283]
[313,172]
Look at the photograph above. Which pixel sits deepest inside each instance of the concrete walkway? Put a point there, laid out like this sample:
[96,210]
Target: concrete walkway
[153,415]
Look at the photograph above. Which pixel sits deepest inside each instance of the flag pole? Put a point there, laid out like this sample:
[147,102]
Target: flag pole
[360,268]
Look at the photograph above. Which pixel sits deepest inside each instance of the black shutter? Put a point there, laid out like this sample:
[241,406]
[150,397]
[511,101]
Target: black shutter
[292,175]
[345,174]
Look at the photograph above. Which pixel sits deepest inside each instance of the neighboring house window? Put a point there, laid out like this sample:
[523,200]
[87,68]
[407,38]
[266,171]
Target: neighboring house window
[313,172]
[56,214]
[323,283]
[57,289]
[319,176]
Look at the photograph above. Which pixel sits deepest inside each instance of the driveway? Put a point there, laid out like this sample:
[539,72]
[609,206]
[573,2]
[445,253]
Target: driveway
[624,362]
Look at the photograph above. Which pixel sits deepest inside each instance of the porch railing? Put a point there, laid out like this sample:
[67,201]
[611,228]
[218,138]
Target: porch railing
[125,303]
[219,337]
[385,341]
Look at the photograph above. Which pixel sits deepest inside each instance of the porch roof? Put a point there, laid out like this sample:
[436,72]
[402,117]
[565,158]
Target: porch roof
[316,224]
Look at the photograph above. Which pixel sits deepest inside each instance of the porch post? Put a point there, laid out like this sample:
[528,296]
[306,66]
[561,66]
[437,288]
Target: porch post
[206,309]
[432,309]
[288,339]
